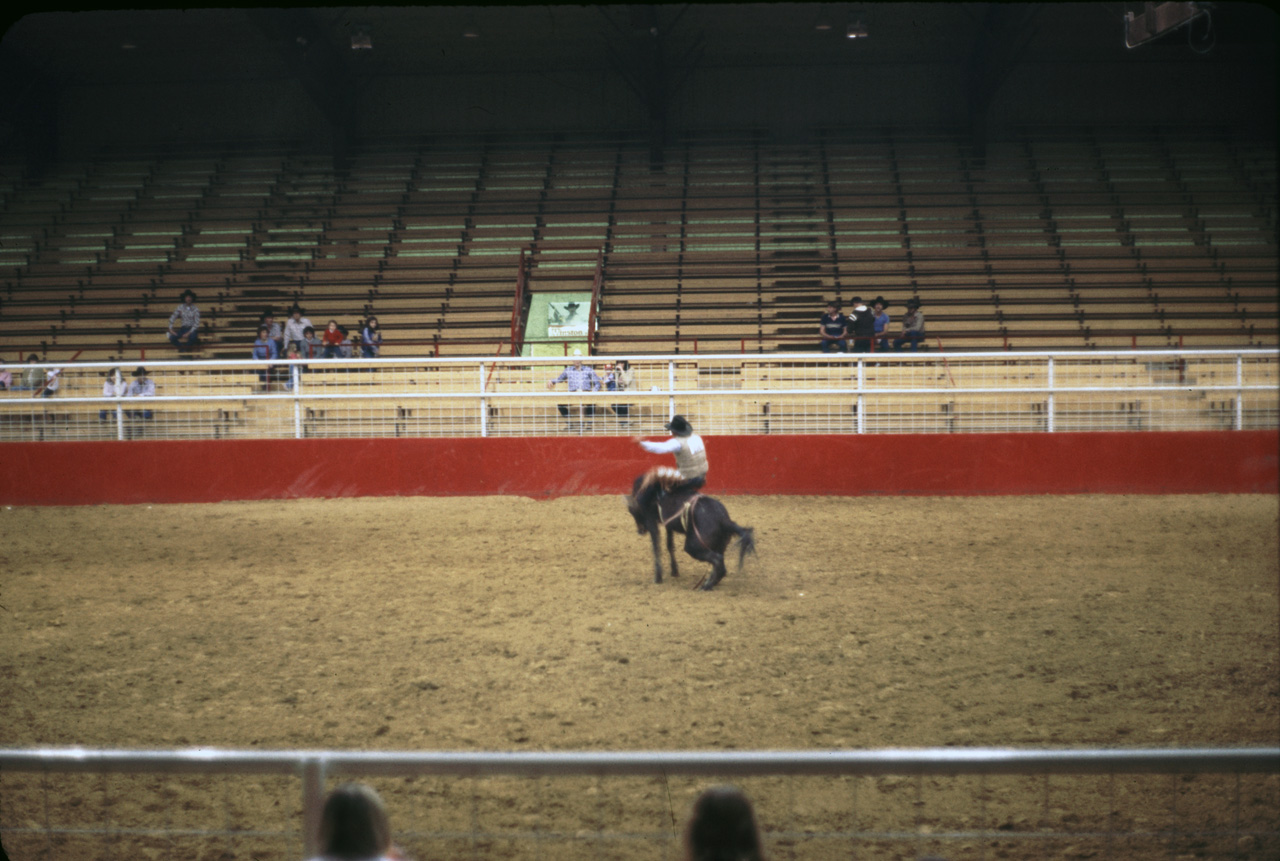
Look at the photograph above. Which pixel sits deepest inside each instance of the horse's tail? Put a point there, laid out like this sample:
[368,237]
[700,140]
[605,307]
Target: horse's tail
[746,542]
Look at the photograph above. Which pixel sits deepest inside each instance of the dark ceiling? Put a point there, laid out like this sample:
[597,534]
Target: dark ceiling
[129,46]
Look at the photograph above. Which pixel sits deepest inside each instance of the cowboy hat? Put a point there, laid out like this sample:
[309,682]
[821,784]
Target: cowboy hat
[881,301]
[140,371]
[679,426]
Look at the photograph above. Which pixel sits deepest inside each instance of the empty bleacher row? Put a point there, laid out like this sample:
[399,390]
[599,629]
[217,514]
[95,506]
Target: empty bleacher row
[1068,240]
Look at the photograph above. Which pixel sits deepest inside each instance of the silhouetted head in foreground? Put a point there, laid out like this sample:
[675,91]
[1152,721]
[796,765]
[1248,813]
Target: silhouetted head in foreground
[354,824]
[722,827]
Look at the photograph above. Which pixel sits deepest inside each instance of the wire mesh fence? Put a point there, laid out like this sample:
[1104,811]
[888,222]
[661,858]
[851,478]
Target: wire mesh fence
[783,394]
[943,803]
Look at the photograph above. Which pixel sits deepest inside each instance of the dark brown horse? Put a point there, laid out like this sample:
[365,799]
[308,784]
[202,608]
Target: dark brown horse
[658,500]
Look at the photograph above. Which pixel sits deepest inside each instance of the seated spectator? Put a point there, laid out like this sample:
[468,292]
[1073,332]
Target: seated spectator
[274,331]
[264,349]
[881,322]
[186,319]
[722,827]
[912,326]
[141,387]
[371,339]
[354,826]
[6,379]
[52,379]
[289,373]
[114,387]
[833,328]
[32,377]
[295,327]
[332,340]
[311,347]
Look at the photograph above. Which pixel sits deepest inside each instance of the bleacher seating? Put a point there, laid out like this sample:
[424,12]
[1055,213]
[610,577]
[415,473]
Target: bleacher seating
[1064,241]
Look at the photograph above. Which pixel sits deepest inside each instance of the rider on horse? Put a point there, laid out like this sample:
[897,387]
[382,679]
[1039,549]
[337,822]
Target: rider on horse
[691,457]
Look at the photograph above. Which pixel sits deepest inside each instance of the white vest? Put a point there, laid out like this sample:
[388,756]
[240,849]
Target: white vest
[691,459]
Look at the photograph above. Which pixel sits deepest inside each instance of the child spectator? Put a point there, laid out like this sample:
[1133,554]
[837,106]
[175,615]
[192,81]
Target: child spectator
[332,339]
[264,349]
[345,346]
[311,346]
[371,339]
[274,332]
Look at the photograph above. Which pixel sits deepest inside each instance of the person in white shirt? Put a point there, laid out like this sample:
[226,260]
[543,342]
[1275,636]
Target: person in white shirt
[114,387]
[687,446]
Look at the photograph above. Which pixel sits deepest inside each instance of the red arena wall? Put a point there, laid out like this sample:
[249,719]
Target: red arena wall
[81,473]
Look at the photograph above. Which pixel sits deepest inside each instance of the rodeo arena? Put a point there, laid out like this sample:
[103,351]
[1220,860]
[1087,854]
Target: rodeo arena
[682,432]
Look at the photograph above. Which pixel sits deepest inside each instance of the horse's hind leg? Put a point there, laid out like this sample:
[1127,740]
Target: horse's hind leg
[671,552]
[705,554]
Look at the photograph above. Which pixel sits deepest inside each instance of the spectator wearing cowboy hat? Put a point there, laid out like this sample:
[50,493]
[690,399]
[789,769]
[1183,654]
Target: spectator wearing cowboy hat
[912,327]
[881,321]
[186,317]
[141,387]
[687,446]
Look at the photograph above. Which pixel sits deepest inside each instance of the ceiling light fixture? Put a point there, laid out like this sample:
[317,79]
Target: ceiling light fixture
[361,40]
[471,31]
[856,29]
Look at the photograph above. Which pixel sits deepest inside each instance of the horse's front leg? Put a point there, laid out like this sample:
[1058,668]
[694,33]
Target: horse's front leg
[671,552]
[657,554]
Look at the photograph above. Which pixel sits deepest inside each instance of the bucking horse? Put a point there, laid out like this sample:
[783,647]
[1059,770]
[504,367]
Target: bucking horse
[657,500]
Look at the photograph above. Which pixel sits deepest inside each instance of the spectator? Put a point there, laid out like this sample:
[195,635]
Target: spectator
[348,348]
[141,387]
[6,379]
[371,339]
[52,379]
[274,331]
[580,379]
[264,349]
[332,340]
[295,327]
[32,377]
[882,322]
[621,379]
[834,330]
[187,319]
[311,346]
[687,446]
[912,326]
[289,373]
[722,827]
[354,826]
[862,325]
[113,387]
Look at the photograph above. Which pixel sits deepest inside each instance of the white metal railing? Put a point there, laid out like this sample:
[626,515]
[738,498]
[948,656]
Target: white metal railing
[721,394]
[1250,832]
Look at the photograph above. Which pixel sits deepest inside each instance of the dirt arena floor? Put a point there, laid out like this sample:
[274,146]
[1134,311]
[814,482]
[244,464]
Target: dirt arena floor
[514,624]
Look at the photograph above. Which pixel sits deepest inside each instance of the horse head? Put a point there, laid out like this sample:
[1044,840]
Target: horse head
[633,506]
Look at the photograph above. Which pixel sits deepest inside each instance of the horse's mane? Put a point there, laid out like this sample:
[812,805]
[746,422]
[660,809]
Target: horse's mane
[663,476]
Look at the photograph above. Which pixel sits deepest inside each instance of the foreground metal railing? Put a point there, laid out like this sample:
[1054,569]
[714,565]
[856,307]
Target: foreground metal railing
[1100,819]
[722,394]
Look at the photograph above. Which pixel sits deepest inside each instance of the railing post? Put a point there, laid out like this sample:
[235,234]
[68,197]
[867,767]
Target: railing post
[119,420]
[1049,405]
[297,401]
[671,387]
[484,405]
[1239,422]
[861,401]
[312,805]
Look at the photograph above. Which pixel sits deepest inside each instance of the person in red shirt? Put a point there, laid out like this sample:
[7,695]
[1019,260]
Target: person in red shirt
[332,340]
